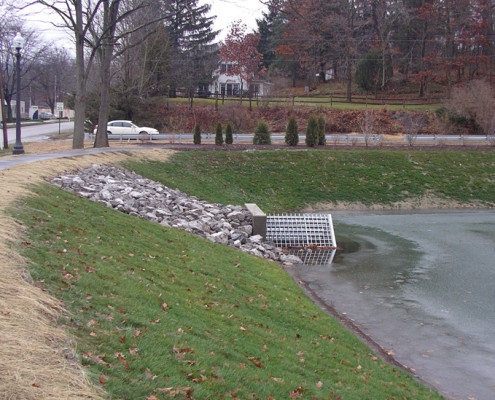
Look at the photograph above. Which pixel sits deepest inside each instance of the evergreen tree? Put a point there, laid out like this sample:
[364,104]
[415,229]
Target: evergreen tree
[269,30]
[218,135]
[291,134]
[262,134]
[191,41]
[322,141]
[197,134]
[312,132]
[369,70]
[228,135]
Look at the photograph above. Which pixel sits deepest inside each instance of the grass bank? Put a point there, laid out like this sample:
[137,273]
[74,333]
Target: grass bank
[156,313]
[292,180]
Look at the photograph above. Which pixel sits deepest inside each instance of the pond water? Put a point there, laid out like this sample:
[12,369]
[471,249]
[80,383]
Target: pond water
[422,285]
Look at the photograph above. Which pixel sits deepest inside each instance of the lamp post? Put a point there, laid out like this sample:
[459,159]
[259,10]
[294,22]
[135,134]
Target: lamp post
[18,42]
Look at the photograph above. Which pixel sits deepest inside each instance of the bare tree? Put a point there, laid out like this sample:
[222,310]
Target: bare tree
[412,123]
[93,25]
[30,54]
[367,125]
[53,73]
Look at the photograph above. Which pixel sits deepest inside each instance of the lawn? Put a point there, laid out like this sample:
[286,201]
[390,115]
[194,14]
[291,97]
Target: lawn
[280,181]
[157,313]
[308,101]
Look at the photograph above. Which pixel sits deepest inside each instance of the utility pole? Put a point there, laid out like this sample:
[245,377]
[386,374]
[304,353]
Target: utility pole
[4,123]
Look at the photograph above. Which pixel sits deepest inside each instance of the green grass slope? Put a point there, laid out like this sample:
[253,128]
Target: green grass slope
[290,180]
[156,313]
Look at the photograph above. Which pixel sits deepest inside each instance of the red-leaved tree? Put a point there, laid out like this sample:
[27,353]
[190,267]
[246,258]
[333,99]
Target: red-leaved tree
[239,50]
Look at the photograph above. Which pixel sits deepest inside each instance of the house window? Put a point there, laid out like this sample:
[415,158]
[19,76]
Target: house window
[225,67]
[254,88]
[235,89]
[223,89]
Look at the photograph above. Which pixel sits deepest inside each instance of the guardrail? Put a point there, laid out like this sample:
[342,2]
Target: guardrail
[332,139]
[461,140]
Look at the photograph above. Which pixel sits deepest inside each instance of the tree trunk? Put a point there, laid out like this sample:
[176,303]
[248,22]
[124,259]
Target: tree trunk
[80,98]
[110,16]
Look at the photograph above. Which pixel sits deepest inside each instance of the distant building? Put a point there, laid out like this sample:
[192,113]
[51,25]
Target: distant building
[13,104]
[230,85]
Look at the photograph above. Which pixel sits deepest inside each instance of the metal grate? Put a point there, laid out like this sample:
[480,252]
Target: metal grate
[301,231]
[314,257]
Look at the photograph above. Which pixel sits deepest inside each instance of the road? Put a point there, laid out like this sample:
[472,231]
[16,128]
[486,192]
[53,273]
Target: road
[39,132]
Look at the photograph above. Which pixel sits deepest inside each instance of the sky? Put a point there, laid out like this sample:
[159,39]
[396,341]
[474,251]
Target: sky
[226,12]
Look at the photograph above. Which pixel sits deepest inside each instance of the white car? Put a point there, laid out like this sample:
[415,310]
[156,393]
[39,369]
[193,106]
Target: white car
[122,127]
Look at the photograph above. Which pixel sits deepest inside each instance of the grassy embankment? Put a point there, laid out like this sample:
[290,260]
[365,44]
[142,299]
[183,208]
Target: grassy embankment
[291,180]
[358,105]
[158,313]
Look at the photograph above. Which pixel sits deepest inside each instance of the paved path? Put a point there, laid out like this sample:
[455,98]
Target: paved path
[11,161]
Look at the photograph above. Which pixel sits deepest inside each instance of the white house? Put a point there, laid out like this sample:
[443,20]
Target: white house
[230,85]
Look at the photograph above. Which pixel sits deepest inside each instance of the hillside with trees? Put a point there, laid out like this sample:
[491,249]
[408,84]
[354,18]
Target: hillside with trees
[134,58]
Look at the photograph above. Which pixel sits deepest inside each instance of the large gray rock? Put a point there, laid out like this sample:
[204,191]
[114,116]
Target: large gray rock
[128,192]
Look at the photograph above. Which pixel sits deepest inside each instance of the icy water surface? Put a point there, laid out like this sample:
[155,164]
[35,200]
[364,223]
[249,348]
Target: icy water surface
[423,286]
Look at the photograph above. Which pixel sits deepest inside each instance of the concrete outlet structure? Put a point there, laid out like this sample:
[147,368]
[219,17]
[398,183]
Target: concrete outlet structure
[259,219]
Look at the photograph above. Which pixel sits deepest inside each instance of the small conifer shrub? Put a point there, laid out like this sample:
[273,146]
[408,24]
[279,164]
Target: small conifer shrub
[197,134]
[218,134]
[228,135]
[312,132]
[322,141]
[262,134]
[292,134]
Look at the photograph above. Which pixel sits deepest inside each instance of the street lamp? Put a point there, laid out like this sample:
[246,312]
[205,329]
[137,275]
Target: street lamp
[18,42]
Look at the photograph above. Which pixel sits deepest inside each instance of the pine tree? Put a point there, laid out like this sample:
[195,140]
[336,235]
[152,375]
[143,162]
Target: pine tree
[270,31]
[218,135]
[262,134]
[322,141]
[228,135]
[291,134]
[312,132]
[197,134]
[192,47]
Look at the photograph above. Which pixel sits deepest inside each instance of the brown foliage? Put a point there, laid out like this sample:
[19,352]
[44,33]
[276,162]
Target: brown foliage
[181,118]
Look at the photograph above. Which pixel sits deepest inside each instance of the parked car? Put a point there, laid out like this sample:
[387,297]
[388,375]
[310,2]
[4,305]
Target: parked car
[126,127]
[47,115]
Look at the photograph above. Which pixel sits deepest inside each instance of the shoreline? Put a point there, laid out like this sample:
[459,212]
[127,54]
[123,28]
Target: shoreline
[354,328]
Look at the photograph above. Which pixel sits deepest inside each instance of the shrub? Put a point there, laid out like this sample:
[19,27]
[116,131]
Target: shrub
[291,134]
[218,135]
[197,134]
[312,132]
[473,103]
[262,134]
[228,135]
[322,141]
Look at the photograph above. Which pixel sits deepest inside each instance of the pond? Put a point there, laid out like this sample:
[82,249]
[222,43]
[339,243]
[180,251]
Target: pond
[422,285]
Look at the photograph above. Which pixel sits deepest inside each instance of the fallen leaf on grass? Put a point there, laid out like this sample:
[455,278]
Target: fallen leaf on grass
[256,362]
[296,393]
[92,322]
[149,375]
[122,359]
